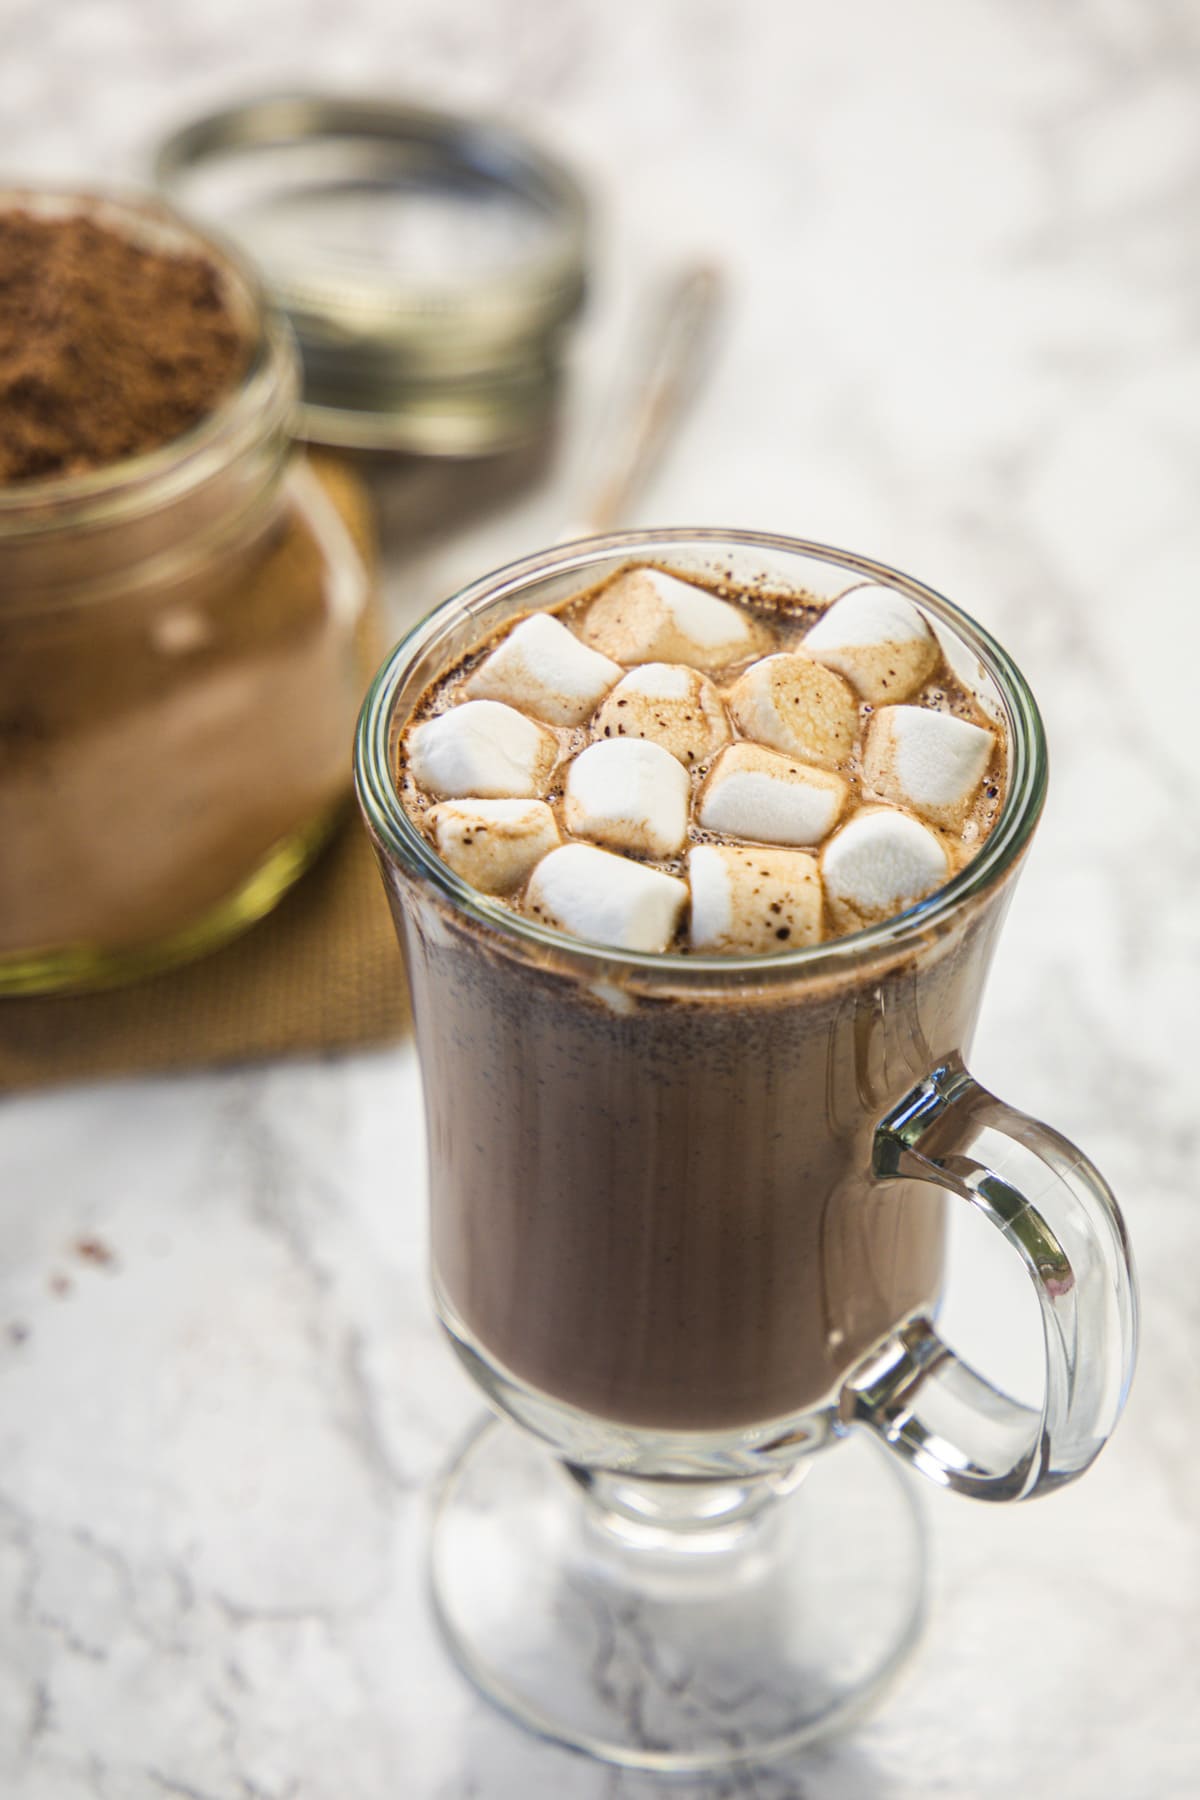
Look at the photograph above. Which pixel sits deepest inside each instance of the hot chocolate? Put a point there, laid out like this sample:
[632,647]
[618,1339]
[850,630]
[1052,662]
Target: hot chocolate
[652,1187]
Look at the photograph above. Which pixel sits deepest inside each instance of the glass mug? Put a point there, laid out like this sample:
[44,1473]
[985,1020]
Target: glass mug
[688,1224]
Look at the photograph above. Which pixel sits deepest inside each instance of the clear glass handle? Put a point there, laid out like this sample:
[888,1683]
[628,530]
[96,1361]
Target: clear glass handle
[1057,1212]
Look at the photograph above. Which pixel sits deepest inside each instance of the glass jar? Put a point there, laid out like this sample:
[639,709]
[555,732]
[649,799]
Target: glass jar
[178,679]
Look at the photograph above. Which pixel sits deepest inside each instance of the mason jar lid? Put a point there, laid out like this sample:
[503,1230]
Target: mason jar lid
[429,263]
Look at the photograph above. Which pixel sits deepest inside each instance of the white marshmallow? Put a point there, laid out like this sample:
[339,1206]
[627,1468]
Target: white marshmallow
[667,704]
[628,794]
[880,863]
[753,900]
[878,640]
[545,670]
[755,793]
[483,750]
[644,615]
[606,898]
[493,844]
[927,760]
[792,703]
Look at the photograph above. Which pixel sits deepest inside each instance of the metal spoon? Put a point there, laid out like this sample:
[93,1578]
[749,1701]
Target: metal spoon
[676,355]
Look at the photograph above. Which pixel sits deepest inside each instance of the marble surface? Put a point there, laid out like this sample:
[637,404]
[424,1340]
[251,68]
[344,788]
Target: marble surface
[964,336]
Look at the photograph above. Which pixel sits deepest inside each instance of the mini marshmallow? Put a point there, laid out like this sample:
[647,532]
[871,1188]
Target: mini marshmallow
[493,844]
[927,760]
[606,898]
[644,615]
[880,863]
[629,794]
[753,900]
[543,668]
[878,640]
[667,704]
[755,793]
[481,749]
[792,703]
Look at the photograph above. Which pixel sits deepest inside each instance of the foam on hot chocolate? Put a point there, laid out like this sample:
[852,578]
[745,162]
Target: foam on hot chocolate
[658,766]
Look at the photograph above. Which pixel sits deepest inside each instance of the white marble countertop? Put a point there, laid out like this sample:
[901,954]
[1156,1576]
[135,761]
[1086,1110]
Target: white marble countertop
[965,337]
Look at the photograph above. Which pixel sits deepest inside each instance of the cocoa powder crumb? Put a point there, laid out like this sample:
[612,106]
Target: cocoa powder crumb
[108,347]
[94,1250]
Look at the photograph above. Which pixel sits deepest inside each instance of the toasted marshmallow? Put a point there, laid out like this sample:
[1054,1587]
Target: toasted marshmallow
[793,704]
[755,793]
[753,900]
[929,761]
[646,616]
[543,668]
[606,898]
[493,844]
[484,750]
[667,704]
[878,640]
[629,794]
[878,864]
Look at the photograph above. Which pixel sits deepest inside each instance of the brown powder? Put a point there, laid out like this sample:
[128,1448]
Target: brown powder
[107,347]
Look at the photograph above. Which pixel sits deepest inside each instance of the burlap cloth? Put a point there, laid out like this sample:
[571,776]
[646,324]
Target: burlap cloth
[322,972]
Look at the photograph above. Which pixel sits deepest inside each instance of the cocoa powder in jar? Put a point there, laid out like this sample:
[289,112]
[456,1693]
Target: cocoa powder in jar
[178,684]
[108,347]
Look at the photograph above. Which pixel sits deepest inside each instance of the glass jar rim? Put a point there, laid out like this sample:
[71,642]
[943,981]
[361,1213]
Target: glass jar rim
[153,479]
[396,834]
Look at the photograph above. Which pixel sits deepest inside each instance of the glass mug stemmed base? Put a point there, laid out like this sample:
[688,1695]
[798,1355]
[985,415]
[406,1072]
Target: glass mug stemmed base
[670,1637]
[676,1622]
[739,1569]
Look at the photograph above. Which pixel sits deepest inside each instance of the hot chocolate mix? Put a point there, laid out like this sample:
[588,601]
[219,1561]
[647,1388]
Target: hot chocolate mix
[177,675]
[108,346]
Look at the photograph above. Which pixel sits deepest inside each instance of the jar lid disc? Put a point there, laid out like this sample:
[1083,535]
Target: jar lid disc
[429,262]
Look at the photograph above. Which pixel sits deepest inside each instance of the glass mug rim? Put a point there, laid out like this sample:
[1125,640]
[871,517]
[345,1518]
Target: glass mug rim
[401,840]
